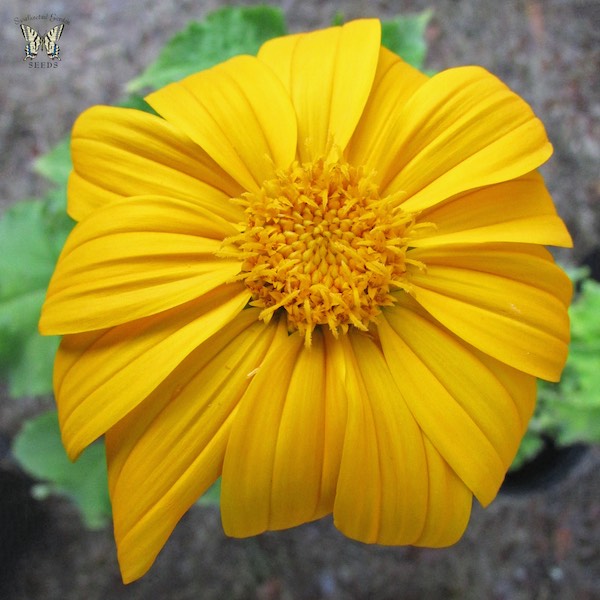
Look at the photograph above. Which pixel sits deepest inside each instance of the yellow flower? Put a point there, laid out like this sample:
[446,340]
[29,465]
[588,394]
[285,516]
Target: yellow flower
[318,274]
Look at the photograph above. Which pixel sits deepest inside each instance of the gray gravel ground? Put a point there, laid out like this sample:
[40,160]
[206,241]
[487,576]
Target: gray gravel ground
[540,545]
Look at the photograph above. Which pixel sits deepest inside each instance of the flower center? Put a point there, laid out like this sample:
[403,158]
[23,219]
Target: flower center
[320,243]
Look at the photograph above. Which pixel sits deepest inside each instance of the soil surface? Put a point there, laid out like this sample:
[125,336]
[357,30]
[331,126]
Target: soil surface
[542,543]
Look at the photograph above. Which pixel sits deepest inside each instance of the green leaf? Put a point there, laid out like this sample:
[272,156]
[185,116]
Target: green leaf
[531,444]
[32,234]
[212,496]
[576,405]
[338,18]
[585,324]
[26,355]
[56,164]
[225,33]
[136,101]
[40,453]
[405,36]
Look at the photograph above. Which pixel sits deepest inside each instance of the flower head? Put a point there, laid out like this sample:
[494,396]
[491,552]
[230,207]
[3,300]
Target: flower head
[319,274]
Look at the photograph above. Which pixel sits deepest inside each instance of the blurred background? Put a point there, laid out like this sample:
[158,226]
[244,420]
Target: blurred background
[534,542]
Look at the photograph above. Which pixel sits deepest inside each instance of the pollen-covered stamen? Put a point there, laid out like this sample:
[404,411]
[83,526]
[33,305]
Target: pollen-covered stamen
[322,245]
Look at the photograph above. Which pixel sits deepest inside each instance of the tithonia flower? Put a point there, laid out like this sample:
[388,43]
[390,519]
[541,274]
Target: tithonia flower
[318,274]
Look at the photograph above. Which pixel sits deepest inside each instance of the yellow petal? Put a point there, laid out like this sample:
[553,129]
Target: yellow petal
[299,442]
[521,387]
[169,450]
[132,259]
[100,378]
[513,211]
[334,419]
[84,197]
[330,77]
[464,411]
[480,387]
[383,485]
[274,460]
[126,432]
[359,497]
[488,300]
[527,263]
[120,152]
[278,54]
[460,130]
[239,113]
[448,503]
[395,82]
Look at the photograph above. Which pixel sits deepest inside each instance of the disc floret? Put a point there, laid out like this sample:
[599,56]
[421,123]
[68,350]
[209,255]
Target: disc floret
[320,243]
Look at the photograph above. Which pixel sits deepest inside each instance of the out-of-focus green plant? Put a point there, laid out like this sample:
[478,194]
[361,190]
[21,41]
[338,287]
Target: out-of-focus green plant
[32,233]
[569,411]
[40,452]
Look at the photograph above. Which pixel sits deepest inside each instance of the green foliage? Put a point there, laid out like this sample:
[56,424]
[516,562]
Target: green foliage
[531,444]
[39,450]
[212,496]
[225,33]
[32,234]
[574,408]
[405,35]
[137,102]
[569,411]
[56,164]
